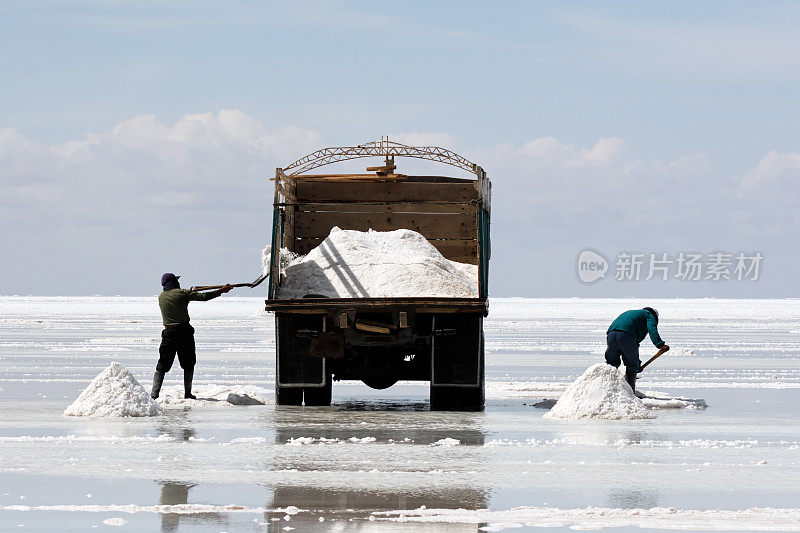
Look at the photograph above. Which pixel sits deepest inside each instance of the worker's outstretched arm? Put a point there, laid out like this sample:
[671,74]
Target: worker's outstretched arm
[653,330]
[209,295]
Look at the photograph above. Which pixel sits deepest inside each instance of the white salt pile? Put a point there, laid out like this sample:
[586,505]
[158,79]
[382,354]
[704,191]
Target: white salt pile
[375,264]
[601,392]
[114,393]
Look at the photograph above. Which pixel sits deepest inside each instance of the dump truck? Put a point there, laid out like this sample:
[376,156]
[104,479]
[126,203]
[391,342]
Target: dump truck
[376,340]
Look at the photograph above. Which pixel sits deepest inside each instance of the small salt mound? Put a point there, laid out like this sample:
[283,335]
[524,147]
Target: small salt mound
[660,400]
[601,392]
[375,264]
[218,396]
[114,393]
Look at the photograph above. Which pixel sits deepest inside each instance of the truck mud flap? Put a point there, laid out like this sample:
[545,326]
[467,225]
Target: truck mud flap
[456,351]
[295,366]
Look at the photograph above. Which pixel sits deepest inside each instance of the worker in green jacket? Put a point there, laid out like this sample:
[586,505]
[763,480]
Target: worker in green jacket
[624,336]
[178,335]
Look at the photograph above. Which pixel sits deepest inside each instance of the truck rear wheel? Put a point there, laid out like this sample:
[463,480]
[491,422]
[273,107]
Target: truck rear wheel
[379,382]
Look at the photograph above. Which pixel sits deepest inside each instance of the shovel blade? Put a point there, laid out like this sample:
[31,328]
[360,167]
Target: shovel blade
[258,281]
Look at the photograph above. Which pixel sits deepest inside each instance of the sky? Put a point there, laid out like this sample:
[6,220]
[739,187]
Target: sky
[138,137]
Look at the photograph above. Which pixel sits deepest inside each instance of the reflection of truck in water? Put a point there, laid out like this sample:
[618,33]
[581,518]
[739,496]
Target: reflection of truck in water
[341,505]
[381,340]
[340,486]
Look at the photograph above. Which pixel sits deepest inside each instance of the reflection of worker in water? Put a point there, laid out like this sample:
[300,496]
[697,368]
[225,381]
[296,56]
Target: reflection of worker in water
[173,493]
[624,336]
[178,334]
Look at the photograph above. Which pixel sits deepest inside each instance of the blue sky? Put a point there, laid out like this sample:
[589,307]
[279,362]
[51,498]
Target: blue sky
[673,127]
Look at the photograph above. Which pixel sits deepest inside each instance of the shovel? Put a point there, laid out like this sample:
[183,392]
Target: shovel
[661,351]
[256,283]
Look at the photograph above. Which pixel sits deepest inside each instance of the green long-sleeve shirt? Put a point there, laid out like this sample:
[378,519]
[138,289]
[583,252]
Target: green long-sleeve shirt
[638,323]
[174,304]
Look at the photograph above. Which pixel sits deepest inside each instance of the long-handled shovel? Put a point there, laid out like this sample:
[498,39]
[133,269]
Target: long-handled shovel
[256,283]
[660,352]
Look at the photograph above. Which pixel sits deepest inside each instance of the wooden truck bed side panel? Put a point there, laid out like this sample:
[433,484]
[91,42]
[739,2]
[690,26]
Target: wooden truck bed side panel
[408,191]
[431,225]
[446,213]
[390,207]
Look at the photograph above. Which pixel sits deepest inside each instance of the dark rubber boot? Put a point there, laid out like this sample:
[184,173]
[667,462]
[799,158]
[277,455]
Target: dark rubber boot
[188,374]
[158,379]
[630,377]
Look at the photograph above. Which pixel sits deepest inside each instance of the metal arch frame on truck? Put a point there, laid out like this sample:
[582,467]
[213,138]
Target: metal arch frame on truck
[444,210]
[382,148]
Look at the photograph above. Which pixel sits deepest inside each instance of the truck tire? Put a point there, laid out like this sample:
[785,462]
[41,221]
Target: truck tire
[379,382]
[288,396]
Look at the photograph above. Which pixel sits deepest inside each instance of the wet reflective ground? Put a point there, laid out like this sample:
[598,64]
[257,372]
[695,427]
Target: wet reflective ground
[216,467]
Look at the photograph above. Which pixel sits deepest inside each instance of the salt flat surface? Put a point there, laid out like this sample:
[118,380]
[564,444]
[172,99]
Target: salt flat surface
[372,460]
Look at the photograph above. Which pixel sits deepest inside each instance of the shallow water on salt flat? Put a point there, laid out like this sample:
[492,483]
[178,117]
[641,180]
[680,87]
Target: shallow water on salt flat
[383,450]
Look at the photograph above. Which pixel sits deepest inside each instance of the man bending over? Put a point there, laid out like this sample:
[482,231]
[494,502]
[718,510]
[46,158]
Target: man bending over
[624,336]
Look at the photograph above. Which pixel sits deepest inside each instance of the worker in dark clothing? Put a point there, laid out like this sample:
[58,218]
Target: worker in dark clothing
[178,334]
[624,336]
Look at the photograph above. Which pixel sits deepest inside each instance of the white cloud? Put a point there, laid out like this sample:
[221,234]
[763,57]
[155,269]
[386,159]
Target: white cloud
[603,153]
[201,158]
[595,190]
[228,130]
[547,149]
[16,154]
[143,196]
[548,181]
[550,150]
[287,144]
[147,193]
[773,168]
[11,141]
